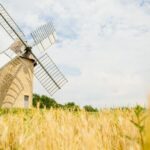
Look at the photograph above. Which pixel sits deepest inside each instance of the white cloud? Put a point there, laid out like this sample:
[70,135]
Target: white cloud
[108,41]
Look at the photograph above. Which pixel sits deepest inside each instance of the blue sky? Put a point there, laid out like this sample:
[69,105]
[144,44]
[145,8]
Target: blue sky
[102,47]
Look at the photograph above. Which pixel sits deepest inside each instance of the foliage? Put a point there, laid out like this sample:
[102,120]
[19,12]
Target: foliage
[89,108]
[44,101]
[71,106]
[36,99]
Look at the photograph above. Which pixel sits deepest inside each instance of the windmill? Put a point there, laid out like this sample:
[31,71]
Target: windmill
[16,77]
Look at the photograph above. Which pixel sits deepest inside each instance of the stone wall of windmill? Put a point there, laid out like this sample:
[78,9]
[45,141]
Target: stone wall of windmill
[16,80]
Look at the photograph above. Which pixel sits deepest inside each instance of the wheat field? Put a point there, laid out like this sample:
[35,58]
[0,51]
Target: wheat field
[58,129]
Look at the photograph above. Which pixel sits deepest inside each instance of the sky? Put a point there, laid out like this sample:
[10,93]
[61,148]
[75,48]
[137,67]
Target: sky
[102,47]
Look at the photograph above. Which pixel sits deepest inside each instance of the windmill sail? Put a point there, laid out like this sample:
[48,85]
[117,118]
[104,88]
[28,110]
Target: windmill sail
[44,36]
[10,26]
[49,75]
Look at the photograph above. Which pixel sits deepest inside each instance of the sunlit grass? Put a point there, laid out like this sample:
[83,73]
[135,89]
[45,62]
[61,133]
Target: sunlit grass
[58,129]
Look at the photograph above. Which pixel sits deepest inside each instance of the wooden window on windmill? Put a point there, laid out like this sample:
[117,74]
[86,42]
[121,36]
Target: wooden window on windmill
[26,101]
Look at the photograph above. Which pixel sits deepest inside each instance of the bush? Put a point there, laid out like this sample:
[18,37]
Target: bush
[71,106]
[89,108]
[44,101]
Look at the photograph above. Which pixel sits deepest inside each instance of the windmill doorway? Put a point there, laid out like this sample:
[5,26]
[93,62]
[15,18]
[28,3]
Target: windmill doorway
[26,101]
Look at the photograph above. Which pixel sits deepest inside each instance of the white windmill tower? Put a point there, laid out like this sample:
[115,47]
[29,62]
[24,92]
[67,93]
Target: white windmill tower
[16,77]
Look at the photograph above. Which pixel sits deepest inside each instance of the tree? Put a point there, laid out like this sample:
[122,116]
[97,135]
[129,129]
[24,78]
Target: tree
[71,106]
[44,101]
[48,102]
[89,108]
[36,99]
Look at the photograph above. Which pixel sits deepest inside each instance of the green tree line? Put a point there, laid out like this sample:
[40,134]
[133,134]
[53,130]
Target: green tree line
[47,102]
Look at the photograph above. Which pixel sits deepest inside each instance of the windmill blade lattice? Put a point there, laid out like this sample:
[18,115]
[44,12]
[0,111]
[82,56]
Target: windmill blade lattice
[10,26]
[44,36]
[49,75]
[9,53]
